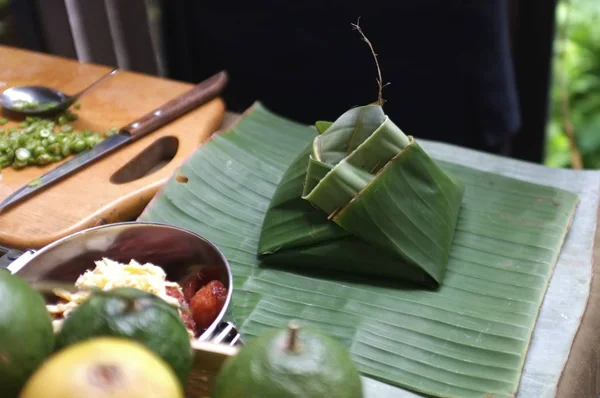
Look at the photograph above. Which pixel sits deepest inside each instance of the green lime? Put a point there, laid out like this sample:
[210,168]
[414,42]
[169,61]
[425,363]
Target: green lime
[289,363]
[133,314]
[25,330]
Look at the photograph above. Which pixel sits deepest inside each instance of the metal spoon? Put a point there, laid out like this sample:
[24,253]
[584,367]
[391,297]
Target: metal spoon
[46,100]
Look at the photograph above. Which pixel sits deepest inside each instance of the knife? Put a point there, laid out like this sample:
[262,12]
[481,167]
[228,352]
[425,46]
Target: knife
[191,99]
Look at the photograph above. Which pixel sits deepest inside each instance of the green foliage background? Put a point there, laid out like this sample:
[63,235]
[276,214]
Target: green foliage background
[577,59]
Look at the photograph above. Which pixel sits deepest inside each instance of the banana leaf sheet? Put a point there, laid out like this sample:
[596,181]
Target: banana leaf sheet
[468,338]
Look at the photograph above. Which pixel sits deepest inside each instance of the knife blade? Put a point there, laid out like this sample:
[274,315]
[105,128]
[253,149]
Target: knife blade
[191,99]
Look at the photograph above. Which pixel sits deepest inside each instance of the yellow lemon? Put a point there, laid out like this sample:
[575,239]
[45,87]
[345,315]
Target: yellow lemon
[104,367]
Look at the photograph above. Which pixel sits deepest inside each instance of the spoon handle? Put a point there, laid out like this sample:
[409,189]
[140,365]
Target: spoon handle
[191,99]
[94,84]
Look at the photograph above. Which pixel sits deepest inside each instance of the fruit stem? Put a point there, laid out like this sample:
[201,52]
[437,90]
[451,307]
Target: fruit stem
[131,305]
[292,344]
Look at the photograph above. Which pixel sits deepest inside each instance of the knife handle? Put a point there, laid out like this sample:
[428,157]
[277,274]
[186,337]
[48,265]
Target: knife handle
[191,99]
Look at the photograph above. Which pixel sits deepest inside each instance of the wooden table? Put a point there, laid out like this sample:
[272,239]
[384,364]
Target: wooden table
[89,198]
[581,377]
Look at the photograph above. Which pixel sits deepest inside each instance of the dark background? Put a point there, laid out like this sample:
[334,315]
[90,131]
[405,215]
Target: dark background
[473,73]
[450,63]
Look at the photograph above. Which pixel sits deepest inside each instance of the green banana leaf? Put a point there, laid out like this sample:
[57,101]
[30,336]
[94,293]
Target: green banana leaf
[392,210]
[468,338]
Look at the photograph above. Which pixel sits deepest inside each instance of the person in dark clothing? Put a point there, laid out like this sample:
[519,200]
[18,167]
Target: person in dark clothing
[448,62]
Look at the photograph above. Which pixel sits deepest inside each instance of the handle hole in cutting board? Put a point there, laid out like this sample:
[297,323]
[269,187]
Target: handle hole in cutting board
[153,158]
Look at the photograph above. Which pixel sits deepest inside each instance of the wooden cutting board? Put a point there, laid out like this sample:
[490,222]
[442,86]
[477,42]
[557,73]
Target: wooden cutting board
[117,187]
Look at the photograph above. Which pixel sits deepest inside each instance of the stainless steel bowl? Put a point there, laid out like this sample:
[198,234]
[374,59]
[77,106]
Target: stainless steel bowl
[178,251]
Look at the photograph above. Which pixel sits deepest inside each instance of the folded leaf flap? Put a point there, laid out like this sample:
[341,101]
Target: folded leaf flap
[410,209]
[315,173]
[350,175]
[347,133]
[290,221]
[322,126]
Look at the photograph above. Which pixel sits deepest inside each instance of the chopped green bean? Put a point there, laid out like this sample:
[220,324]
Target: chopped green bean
[23,104]
[22,140]
[35,183]
[54,149]
[77,106]
[31,145]
[43,140]
[66,128]
[47,105]
[10,154]
[44,159]
[22,154]
[17,164]
[112,131]
[65,149]
[37,151]
[78,146]
[90,141]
